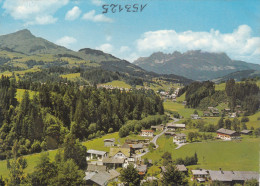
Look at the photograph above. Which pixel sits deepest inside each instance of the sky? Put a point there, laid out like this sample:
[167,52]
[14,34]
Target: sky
[230,26]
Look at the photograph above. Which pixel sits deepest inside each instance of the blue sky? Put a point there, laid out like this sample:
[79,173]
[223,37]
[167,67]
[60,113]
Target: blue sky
[231,26]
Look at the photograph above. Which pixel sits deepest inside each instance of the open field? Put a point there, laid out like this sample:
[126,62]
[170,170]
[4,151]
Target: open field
[71,76]
[228,155]
[120,84]
[184,112]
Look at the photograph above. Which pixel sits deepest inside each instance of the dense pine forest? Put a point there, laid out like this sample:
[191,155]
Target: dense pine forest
[44,116]
[203,94]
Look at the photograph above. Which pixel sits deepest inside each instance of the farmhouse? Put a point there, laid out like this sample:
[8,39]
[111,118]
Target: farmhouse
[113,163]
[232,177]
[109,142]
[148,133]
[169,133]
[182,168]
[96,155]
[180,138]
[195,116]
[100,178]
[246,132]
[200,175]
[120,153]
[226,134]
[172,126]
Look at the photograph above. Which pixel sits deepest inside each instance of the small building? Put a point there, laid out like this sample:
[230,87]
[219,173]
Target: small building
[215,113]
[246,132]
[113,163]
[109,142]
[232,177]
[182,168]
[157,127]
[147,133]
[227,134]
[135,148]
[100,178]
[96,155]
[195,116]
[180,138]
[200,175]
[206,114]
[169,133]
[120,153]
[173,126]
[184,102]
[141,169]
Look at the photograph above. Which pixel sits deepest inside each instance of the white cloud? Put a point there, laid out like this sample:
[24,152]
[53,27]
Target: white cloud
[96,18]
[124,49]
[238,45]
[108,48]
[73,14]
[97,2]
[34,12]
[66,41]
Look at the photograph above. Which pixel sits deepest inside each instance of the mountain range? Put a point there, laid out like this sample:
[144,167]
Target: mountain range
[196,64]
[25,51]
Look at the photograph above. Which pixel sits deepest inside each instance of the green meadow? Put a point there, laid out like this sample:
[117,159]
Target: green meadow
[20,92]
[180,108]
[120,84]
[228,155]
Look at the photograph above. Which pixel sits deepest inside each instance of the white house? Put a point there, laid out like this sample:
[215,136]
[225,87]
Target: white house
[148,133]
[180,138]
[96,155]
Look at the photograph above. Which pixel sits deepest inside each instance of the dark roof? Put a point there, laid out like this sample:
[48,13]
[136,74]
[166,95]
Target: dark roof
[226,131]
[233,175]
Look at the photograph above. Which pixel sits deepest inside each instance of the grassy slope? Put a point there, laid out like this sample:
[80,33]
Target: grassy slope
[120,84]
[184,112]
[232,155]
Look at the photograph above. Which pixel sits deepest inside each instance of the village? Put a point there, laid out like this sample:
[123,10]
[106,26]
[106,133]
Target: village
[104,167]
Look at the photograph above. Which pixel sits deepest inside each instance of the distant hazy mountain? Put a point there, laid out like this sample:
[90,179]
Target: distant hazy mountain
[239,75]
[196,65]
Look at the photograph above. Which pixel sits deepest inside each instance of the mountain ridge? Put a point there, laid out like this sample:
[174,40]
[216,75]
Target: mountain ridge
[194,64]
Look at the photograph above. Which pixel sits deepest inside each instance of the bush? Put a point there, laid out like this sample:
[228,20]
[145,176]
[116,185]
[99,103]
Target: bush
[36,147]
[245,119]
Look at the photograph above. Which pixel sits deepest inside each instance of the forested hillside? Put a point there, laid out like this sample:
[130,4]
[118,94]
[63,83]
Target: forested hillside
[57,108]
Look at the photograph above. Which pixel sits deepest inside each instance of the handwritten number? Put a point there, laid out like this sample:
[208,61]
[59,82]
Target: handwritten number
[128,8]
[113,10]
[135,6]
[142,7]
[105,9]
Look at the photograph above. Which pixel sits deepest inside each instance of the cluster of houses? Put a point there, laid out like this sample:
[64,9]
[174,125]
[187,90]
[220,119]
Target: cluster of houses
[211,112]
[225,177]
[110,87]
[227,134]
[102,165]
[214,112]
[166,95]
